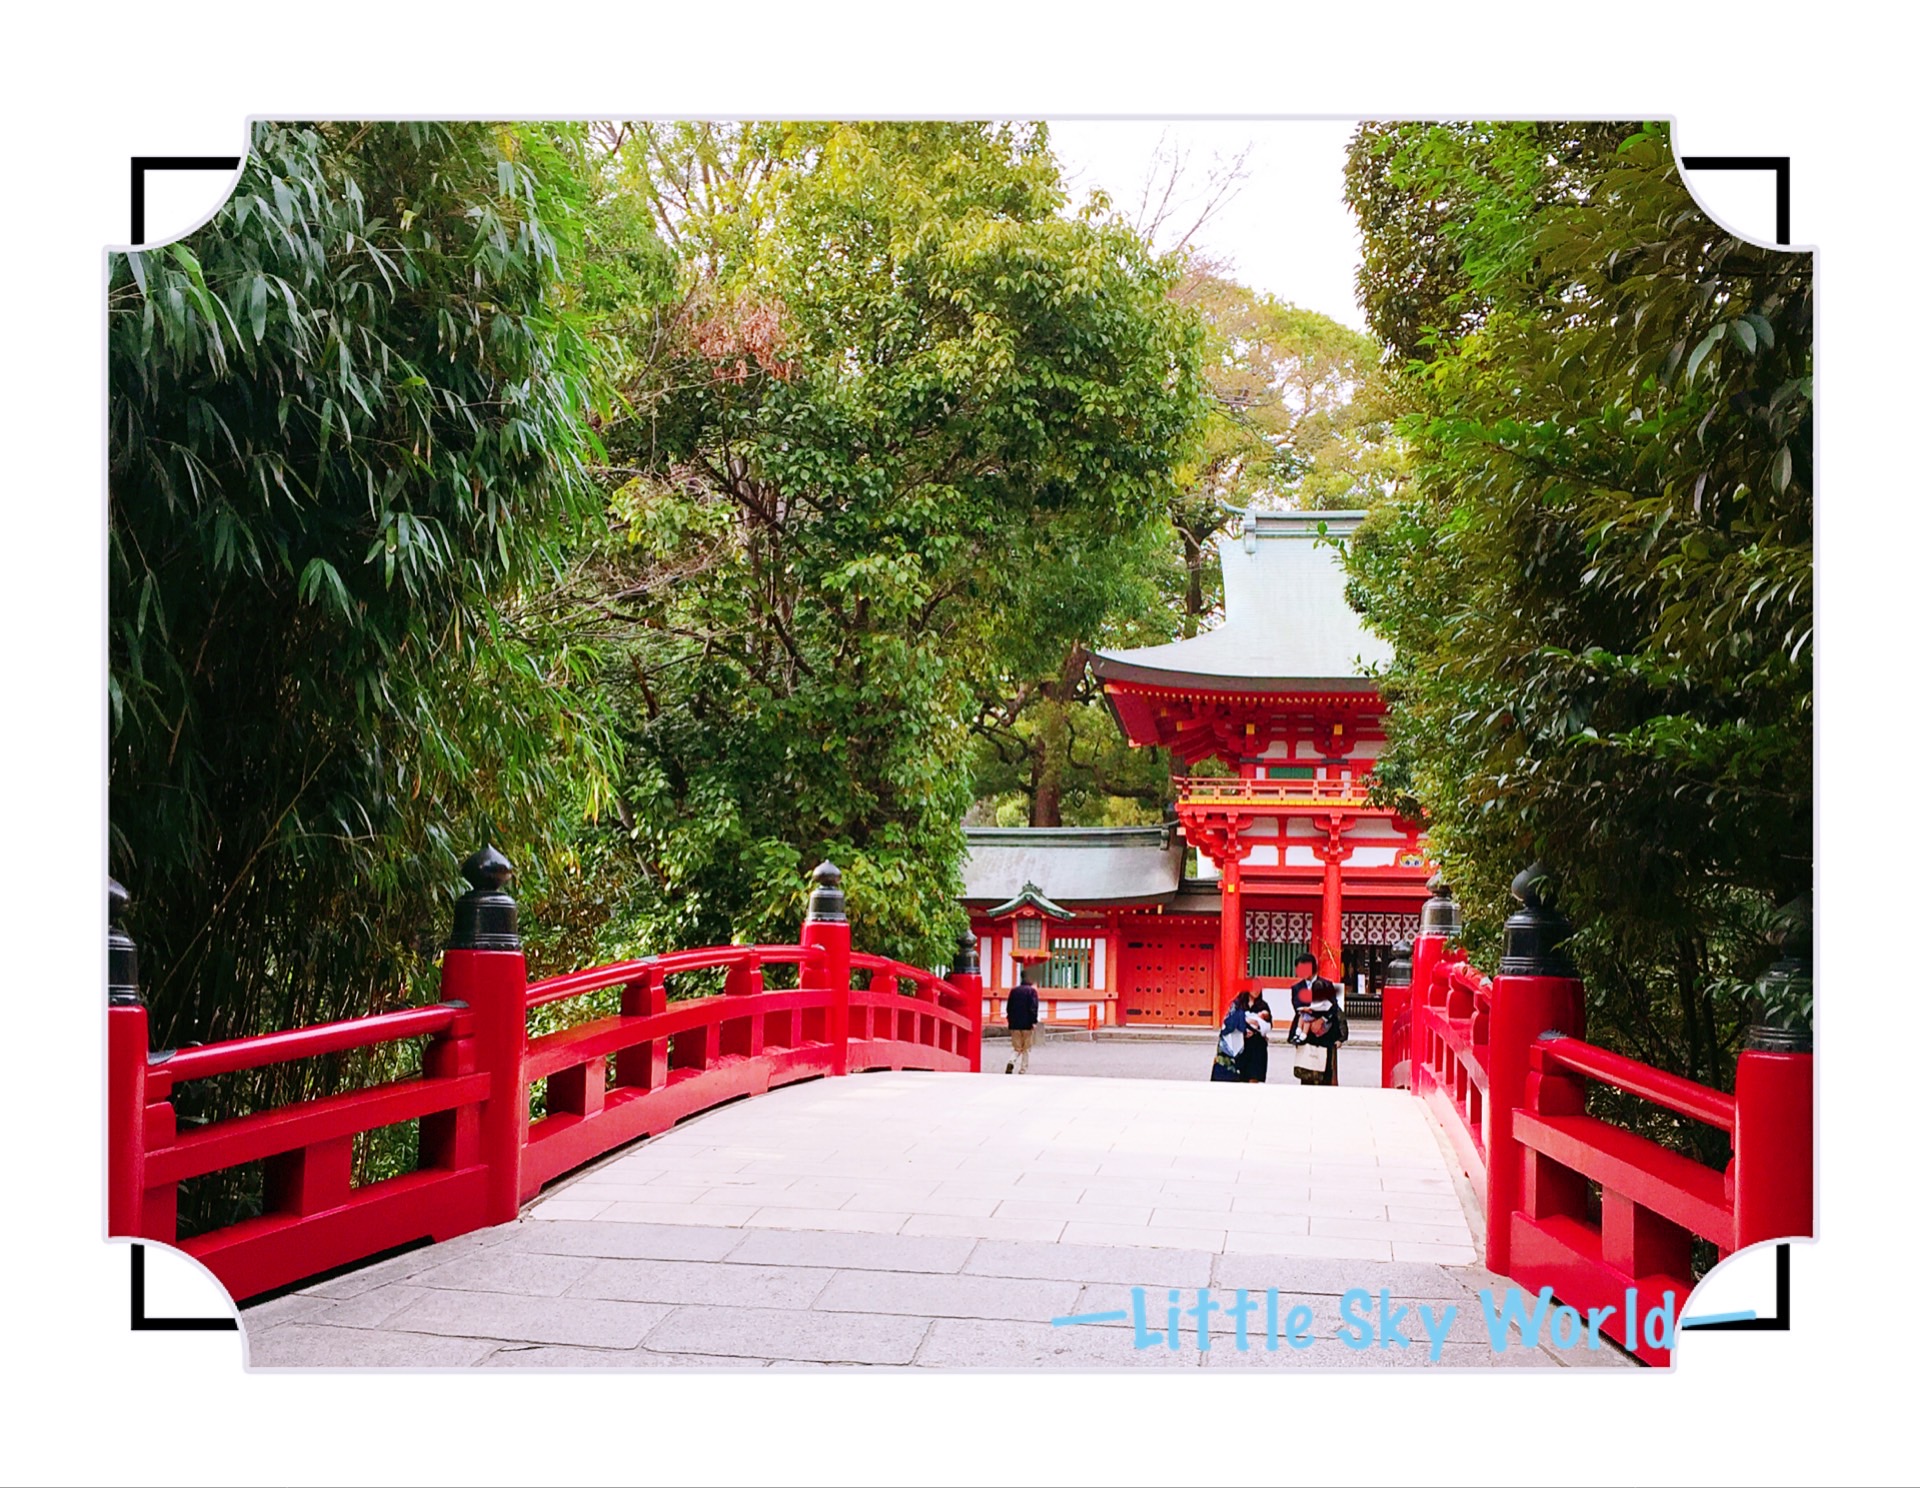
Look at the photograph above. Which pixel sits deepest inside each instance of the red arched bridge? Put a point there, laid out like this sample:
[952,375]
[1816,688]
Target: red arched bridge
[1090,1191]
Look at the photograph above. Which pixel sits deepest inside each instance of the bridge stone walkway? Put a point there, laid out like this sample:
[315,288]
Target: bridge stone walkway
[942,1220]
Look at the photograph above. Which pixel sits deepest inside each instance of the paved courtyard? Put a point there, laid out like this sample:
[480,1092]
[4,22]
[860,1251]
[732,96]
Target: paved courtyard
[1149,1057]
[945,1220]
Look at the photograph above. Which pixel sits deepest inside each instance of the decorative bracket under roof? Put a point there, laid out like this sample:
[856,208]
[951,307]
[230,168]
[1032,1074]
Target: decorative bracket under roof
[1030,896]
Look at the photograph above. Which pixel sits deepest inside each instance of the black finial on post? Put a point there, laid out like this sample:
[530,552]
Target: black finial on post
[1783,997]
[1440,915]
[1400,966]
[966,961]
[1535,931]
[485,918]
[123,956]
[827,902]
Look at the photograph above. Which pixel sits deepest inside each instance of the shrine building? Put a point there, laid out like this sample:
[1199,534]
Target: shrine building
[1271,847]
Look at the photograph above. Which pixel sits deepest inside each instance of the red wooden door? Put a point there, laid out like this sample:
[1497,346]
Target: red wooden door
[1168,978]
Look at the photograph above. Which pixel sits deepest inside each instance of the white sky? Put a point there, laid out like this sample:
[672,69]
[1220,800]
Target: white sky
[1285,231]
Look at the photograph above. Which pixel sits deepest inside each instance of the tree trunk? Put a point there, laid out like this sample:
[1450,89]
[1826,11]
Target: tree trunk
[1196,556]
[1044,796]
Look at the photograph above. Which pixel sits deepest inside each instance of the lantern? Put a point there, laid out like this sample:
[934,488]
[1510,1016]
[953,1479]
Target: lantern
[1033,915]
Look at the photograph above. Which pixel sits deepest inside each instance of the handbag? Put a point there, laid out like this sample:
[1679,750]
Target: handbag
[1232,1043]
[1310,1057]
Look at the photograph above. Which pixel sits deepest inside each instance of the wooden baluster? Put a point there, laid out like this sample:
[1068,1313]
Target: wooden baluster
[744,1035]
[643,1065]
[579,1091]
[451,1139]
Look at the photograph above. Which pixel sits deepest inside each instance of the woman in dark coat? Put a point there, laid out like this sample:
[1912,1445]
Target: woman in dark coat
[1253,1056]
[1233,1032]
[1327,1030]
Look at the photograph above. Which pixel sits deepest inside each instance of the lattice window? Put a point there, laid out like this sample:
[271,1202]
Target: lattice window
[1369,928]
[1281,925]
[1069,964]
[1026,934]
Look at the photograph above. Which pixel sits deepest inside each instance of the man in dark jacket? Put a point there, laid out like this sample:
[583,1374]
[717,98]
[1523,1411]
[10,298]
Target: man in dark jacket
[1023,1019]
[1328,1029]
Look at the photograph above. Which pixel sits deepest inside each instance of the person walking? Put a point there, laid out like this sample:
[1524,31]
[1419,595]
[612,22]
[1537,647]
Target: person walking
[1253,1054]
[1023,1020]
[1319,1025]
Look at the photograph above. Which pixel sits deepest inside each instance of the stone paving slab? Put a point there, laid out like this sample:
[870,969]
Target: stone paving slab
[1330,1278]
[629,1241]
[499,1315]
[960,1296]
[806,1337]
[704,1283]
[858,1252]
[937,1221]
[506,1269]
[955,1343]
[561,1356]
[305,1346]
[1093,1263]
[374,1309]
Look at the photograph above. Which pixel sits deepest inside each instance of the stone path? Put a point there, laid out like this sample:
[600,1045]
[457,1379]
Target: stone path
[943,1220]
[1162,1059]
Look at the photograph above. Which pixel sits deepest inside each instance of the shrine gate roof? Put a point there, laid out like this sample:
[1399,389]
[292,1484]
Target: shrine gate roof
[1073,865]
[1288,625]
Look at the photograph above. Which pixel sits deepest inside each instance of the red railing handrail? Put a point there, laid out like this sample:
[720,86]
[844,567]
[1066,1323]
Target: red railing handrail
[1673,1092]
[280,1129]
[919,975]
[1236,787]
[670,963]
[202,1061]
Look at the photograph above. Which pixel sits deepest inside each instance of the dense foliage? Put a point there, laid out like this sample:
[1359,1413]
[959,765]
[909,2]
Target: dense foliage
[1599,582]
[673,505]
[1297,416]
[345,444]
[877,459]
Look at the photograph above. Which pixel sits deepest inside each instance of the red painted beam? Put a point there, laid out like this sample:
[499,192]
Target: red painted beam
[1686,1097]
[1689,1193]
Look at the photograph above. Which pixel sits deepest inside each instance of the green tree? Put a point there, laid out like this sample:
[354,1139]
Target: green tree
[1048,752]
[347,447]
[902,392]
[1598,585]
[1299,418]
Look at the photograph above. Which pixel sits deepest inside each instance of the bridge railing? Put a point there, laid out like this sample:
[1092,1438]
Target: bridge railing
[481,1152]
[1502,1063]
[1230,789]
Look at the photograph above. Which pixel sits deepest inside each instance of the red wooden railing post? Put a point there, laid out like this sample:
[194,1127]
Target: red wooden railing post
[1772,1146]
[1773,1099]
[1439,923]
[1396,1009]
[826,930]
[966,981]
[485,968]
[126,1074]
[1537,990]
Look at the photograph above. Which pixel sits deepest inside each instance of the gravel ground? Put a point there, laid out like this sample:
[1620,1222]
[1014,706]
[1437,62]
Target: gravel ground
[1141,1059]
